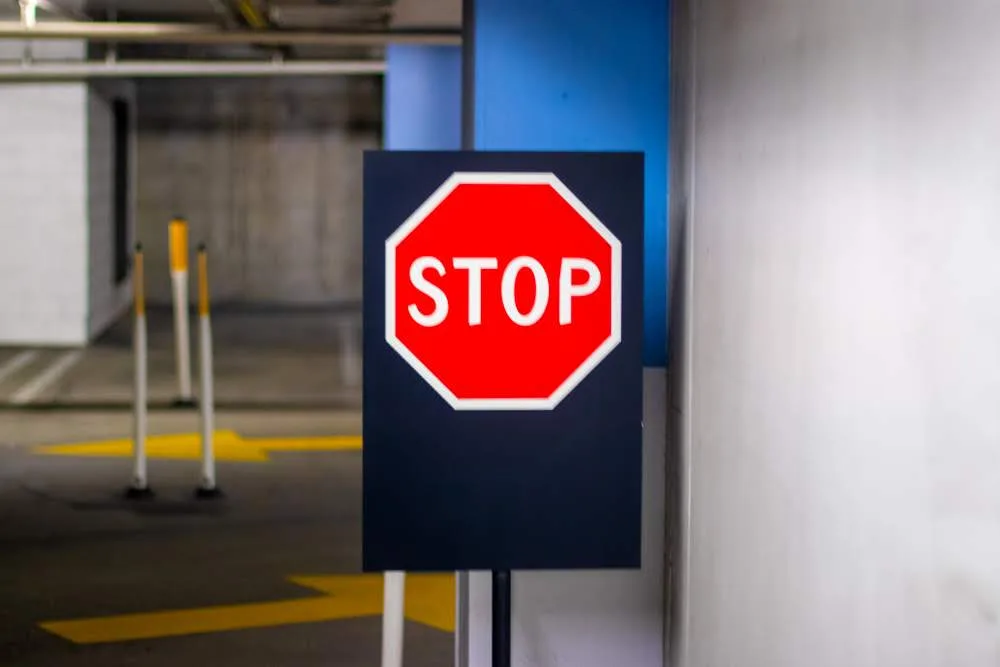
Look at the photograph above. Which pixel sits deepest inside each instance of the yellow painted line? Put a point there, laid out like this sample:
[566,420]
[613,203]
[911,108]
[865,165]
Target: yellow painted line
[229,446]
[314,444]
[430,600]
[201,621]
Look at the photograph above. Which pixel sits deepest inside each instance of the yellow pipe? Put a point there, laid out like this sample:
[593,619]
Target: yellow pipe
[139,282]
[178,246]
[202,282]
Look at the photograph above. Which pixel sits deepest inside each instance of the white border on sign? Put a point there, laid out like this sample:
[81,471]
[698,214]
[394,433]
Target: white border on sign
[425,209]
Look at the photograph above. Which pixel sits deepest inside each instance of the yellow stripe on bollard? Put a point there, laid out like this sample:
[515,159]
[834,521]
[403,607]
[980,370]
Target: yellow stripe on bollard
[203,303]
[139,282]
[178,245]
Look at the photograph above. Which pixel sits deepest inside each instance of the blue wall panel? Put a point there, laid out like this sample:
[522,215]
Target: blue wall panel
[583,75]
[423,97]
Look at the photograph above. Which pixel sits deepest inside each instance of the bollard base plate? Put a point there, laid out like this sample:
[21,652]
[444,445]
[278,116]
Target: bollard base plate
[208,494]
[136,493]
[184,403]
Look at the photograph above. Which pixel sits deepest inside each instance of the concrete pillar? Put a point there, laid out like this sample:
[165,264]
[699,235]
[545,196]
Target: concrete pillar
[843,367]
[44,140]
[56,251]
[44,189]
[584,75]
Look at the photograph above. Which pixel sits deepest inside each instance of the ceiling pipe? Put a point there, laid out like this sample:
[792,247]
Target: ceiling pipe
[175,33]
[74,71]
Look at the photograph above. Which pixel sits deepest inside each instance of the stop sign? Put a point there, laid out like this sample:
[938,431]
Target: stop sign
[503,291]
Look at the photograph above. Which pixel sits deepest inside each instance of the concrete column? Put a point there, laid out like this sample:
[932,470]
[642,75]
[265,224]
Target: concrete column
[844,375]
[44,141]
[584,75]
[44,189]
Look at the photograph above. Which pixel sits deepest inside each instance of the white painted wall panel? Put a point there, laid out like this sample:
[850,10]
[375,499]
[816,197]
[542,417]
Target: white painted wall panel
[43,187]
[844,504]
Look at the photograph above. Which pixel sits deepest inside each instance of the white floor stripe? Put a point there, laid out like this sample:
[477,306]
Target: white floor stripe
[16,363]
[46,378]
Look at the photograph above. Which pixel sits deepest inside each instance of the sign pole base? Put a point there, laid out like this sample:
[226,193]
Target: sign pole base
[501,618]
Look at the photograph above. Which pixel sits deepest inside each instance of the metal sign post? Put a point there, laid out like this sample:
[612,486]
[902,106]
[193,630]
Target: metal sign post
[501,618]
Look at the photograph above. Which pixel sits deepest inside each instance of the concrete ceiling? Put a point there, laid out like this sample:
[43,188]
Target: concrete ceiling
[290,14]
[313,15]
[427,13]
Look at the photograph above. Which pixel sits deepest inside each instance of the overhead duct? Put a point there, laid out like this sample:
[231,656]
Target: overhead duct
[165,33]
[72,71]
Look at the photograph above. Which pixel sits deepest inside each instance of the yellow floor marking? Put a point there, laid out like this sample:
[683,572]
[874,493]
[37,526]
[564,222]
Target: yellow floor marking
[430,600]
[308,444]
[229,446]
[199,621]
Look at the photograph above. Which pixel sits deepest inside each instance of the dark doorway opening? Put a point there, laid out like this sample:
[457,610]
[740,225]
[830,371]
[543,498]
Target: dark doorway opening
[122,172]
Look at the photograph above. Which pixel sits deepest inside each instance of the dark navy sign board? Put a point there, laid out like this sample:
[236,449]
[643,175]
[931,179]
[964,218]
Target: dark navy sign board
[448,489]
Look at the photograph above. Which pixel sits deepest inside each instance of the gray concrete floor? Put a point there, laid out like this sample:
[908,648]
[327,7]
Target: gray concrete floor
[72,548]
[261,359]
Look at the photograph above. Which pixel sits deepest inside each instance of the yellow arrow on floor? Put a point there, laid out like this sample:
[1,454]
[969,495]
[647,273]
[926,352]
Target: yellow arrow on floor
[430,600]
[229,446]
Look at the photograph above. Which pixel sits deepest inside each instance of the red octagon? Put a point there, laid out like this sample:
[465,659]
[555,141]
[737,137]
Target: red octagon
[503,291]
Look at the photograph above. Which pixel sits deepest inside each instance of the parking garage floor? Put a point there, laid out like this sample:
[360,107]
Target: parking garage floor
[268,575]
[262,358]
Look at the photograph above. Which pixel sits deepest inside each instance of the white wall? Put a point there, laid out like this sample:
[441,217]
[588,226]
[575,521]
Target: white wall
[844,449]
[56,248]
[108,300]
[43,188]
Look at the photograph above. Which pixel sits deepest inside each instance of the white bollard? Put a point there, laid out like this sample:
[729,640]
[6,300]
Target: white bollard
[140,484]
[393,615]
[182,329]
[208,487]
